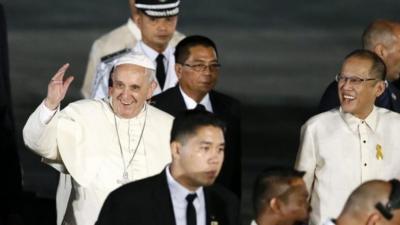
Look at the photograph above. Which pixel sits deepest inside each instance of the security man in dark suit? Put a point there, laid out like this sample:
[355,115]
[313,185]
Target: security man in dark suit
[383,38]
[11,188]
[183,193]
[197,68]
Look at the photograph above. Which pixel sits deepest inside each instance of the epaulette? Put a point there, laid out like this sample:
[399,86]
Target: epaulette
[108,58]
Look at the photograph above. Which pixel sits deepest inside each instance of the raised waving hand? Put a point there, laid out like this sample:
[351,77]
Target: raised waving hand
[57,88]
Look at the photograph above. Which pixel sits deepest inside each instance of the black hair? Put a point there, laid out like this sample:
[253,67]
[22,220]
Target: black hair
[182,49]
[378,68]
[269,182]
[188,122]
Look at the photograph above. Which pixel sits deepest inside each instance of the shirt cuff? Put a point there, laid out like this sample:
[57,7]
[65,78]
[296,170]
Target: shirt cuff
[46,114]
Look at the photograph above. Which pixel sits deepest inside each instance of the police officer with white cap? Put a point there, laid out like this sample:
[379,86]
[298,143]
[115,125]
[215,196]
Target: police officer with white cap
[126,37]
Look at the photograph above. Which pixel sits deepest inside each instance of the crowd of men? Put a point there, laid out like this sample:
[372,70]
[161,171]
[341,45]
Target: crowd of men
[154,143]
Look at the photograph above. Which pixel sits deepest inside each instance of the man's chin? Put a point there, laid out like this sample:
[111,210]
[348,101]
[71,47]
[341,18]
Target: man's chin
[208,182]
[346,107]
[300,223]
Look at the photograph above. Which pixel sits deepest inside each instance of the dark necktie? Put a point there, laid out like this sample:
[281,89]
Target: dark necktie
[190,210]
[200,107]
[160,73]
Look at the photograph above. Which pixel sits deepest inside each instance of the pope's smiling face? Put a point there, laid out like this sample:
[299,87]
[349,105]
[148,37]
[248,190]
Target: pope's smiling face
[130,89]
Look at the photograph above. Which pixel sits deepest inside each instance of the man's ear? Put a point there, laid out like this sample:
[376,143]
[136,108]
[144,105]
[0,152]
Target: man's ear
[178,70]
[175,149]
[276,205]
[153,86]
[137,18]
[373,219]
[381,86]
[380,50]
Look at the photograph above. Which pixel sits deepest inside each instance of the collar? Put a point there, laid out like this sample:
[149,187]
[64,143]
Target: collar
[329,222]
[253,222]
[134,29]
[179,192]
[353,122]
[191,104]
[152,54]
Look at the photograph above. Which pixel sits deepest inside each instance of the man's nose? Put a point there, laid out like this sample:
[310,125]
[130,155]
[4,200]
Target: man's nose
[215,157]
[162,25]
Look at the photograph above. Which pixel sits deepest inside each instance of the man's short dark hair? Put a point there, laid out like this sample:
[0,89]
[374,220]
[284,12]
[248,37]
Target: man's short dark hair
[188,122]
[269,184]
[182,48]
[378,68]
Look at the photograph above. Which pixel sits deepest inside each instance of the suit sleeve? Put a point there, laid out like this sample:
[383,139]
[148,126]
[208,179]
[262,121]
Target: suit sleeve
[106,216]
[306,157]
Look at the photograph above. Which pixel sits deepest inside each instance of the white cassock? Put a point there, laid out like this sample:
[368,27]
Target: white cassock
[83,139]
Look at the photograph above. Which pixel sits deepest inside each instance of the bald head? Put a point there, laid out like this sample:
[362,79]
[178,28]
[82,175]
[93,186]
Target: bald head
[383,38]
[363,199]
[379,32]
[360,207]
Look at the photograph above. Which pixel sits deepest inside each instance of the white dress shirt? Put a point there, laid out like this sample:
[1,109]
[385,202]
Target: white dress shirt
[329,222]
[191,104]
[179,203]
[338,152]
[169,64]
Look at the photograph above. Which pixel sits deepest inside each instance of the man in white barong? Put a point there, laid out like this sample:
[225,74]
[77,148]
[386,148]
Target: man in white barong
[102,144]
[344,147]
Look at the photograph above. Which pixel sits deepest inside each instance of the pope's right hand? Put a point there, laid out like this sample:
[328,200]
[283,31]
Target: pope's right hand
[57,88]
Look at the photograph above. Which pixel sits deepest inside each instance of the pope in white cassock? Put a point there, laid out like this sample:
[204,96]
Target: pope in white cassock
[105,143]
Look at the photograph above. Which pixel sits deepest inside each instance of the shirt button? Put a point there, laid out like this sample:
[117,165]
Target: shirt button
[362,122]
[365,164]
[364,141]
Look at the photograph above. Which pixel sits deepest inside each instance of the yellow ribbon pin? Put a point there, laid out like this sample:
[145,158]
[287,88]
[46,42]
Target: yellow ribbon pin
[379,152]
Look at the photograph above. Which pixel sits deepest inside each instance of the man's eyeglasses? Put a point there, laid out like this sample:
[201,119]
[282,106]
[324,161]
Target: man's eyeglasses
[393,203]
[353,80]
[202,67]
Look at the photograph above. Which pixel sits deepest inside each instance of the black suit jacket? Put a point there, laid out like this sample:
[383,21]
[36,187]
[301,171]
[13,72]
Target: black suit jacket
[389,99]
[148,202]
[11,189]
[228,109]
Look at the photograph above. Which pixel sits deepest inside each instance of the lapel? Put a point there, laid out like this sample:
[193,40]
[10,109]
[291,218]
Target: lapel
[162,204]
[216,103]
[214,210]
[177,99]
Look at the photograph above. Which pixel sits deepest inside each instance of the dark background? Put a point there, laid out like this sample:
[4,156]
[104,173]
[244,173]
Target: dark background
[277,57]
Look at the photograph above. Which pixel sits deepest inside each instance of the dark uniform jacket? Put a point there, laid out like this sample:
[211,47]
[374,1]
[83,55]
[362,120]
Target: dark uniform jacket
[148,202]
